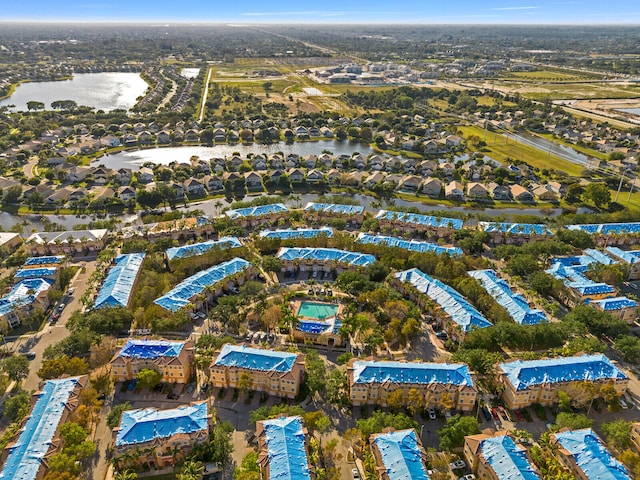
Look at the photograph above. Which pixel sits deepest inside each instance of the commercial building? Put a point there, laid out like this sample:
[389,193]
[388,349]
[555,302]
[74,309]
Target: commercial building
[611,233]
[27,457]
[296,233]
[211,282]
[515,233]
[312,259]
[251,217]
[538,381]
[120,281]
[629,257]
[411,245]
[160,438]
[415,223]
[201,248]
[272,372]
[399,455]
[174,360]
[283,445]
[497,456]
[454,313]
[444,385]
[514,303]
[69,242]
[582,452]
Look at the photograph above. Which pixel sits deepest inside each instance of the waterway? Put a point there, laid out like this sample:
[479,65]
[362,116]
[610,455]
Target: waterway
[632,111]
[102,91]
[551,148]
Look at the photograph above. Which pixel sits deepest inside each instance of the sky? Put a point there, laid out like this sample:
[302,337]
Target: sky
[329,11]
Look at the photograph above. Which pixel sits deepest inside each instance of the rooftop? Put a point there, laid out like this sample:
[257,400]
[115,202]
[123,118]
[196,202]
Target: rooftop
[241,356]
[454,304]
[526,373]
[418,219]
[116,288]
[628,256]
[516,228]
[514,303]
[46,260]
[335,208]
[411,373]
[286,449]
[150,349]
[27,454]
[256,211]
[36,272]
[615,303]
[146,424]
[326,255]
[23,293]
[203,247]
[180,295]
[296,233]
[508,460]
[70,236]
[412,245]
[591,455]
[401,455]
[607,228]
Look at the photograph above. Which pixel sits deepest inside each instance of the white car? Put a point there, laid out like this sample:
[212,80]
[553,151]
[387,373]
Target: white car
[457,464]
[355,474]
[623,404]
[470,476]
[432,413]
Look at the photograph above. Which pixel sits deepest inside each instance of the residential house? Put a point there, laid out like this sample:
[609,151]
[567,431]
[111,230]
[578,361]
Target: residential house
[544,194]
[477,191]
[454,191]
[193,186]
[295,175]
[123,176]
[373,180]
[145,175]
[253,181]
[163,138]
[314,176]
[333,176]
[521,194]
[74,241]
[127,193]
[499,192]
[432,187]
[410,183]
[212,183]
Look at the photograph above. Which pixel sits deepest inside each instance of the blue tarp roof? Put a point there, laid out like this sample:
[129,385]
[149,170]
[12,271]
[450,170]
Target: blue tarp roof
[179,296]
[286,449]
[607,228]
[570,270]
[401,455]
[613,304]
[116,289]
[326,255]
[150,349]
[241,356]
[508,460]
[525,373]
[415,372]
[335,208]
[48,260]
[516,228]
[514,303]
[454,304]
[146,424]
[599,256]
[318,326]
[295,233]
[429,220]
[36,272]
[628,256]
[23,293]
[199,248]
[27,454]
[412,245]
[256,211]
[591,455]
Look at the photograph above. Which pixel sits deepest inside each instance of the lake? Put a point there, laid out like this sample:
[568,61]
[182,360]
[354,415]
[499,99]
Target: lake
[164,156]
[632,111]
[102,91]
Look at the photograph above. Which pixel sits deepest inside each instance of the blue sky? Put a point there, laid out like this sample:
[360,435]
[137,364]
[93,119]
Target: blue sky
[330,11]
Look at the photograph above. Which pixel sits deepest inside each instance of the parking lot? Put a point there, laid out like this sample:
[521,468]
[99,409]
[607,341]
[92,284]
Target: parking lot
[300,276]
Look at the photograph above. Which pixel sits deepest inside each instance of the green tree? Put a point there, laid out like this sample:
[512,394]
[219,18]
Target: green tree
[542,283]
[220,445]
[16,367]
[148,378]
[16,407]
[72,434]
[629,347]
[125,475]
[249,468]
[598,194]
[34,105]
[316,372]
[59,366]
[244,383]
[573,421]
[617,433]
[564,401]
[271,264]
[12,194]
[453,433]
[191,470]
[114,416]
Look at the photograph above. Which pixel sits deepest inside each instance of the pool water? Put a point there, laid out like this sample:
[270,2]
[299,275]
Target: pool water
[318,311]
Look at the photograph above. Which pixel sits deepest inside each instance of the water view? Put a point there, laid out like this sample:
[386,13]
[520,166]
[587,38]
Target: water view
[102,91]
[632,111]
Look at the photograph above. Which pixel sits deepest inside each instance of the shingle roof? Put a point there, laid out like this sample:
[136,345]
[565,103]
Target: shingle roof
[335,208]
[150,349]
[296,233]
[516,228]
[200,248]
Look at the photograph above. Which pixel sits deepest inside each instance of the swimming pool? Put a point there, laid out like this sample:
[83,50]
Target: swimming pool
[318,311]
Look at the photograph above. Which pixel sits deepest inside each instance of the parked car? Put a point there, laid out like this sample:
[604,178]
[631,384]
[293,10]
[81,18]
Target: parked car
[442,335]
[355,474]
[624,405]
[173,396]
[30,355]
[248,337]
[457,464]
[70,291]
[132,385]
[432,413]
[486,413]
[470,476]
[519,415]
[447,414]
[494,414]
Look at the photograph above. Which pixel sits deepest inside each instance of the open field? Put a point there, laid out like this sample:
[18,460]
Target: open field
[550,75]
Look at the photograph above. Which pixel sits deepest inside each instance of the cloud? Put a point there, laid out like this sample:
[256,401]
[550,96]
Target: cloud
[315,13]
[514,8]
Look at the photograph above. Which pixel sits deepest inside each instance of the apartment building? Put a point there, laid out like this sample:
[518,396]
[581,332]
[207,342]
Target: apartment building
[398,455]
[283,445]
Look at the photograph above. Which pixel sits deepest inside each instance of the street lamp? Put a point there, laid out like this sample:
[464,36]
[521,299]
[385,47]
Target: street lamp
[421,430]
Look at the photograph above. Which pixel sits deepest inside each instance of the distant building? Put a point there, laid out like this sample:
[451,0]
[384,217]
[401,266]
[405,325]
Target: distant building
[70,242]
[631,258]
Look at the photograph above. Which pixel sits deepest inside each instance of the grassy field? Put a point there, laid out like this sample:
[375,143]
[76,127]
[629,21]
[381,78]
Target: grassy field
[571,91]
[587,151]
[410,197]
[550,75]
[499,149]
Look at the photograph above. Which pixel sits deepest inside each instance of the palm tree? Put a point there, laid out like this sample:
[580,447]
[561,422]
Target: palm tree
[191,470]
[125,475]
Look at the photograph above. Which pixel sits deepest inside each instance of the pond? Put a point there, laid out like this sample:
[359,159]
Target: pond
[103,91]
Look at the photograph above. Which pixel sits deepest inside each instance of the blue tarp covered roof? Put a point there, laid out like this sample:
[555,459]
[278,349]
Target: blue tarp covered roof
[514,303]
[295,233]
[48,260]
[525,373]
[146,424]
[335,208]
[508,460]
[179,296]
[331,325]
[629,256]
[607,228]
[599,256]
[116,289]
[23,293]
[591,455]
[401,455]
[412,245]
[415,372]
[615,303]
[199,248]
[26,456]
[286,449]
[429,220]
[516,228]
[256,211]
[36,272]
[241,356]
[150,349]
[570,270]
[326,255]
[454,304]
